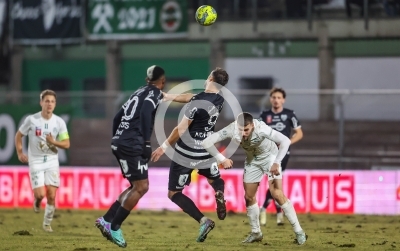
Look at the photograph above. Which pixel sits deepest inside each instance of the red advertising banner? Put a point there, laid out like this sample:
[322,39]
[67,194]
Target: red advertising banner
[310,191]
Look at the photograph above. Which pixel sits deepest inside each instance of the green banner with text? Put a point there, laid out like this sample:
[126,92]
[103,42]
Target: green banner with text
[137,19]
[11,118]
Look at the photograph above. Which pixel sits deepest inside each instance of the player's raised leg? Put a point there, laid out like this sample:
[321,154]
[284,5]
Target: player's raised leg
[179,177]
[218,184]
[253,212]
[287,206]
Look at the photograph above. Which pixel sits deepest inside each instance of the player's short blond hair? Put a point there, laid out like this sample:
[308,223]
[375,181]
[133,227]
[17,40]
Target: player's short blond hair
[47,92]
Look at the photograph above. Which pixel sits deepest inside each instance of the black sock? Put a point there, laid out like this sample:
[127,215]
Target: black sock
[187,205]
[218,185]
[112,211]
[119,217]
[268,198]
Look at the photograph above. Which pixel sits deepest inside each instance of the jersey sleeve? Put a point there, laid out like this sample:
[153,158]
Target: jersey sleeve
[278,138]
[25,127]
[191,109]
[226,132]
[265,130]
[209,142]
[294,122]
[63,133]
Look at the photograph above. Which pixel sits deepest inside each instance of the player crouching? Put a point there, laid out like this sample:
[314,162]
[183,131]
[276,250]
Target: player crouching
[263,157]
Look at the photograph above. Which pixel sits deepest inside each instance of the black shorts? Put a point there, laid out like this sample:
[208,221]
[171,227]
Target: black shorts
[133,165]
[284,162]
[180,176]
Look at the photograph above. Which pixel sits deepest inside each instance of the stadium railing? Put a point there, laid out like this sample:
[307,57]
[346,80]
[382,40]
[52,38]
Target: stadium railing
[342,127]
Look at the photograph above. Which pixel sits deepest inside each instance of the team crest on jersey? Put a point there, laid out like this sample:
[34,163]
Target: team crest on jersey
[192,112]
[151,94]
[268,120]
[38,131]
[214,169]
[283,117]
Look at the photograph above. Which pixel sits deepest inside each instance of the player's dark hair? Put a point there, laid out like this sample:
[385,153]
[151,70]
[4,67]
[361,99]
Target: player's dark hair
[220,76]
[154,73]
[47,92]
[275,90]
[244,119]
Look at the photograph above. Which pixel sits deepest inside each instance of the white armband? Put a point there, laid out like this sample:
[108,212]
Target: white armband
[220,158]
[165,146]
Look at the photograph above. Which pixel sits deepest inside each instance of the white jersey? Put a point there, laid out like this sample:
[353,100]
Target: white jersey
[260,144]
[36,128]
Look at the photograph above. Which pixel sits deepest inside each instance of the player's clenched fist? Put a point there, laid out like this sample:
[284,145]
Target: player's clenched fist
[227,164]
[49,138]
[274,169]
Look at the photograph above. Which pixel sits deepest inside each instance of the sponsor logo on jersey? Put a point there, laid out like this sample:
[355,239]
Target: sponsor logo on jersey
[269,119]
[279,126]
[38,131]
[192,112]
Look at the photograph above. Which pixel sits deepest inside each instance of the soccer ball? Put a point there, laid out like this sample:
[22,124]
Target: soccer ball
[206,15]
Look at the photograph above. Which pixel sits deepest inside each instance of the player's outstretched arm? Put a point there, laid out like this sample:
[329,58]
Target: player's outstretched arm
[172,138]
[180,98]
[210,141]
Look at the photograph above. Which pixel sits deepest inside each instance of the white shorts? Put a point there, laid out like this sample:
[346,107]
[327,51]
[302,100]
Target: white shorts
[45,173]
[255,169]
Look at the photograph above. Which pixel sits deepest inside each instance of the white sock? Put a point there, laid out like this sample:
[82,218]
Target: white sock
[253,212]
[48,214]
[291,215]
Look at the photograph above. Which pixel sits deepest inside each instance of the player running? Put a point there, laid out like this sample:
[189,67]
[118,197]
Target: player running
[43,129]
[262,157]
[282,120]
[199,120]
[132,129]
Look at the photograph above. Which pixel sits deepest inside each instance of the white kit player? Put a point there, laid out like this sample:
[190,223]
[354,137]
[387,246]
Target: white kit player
[42,129]
[262,157]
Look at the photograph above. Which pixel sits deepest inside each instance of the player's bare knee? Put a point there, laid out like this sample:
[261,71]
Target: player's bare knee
[39,196]
[142,189]
[250,199]
[171,194]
